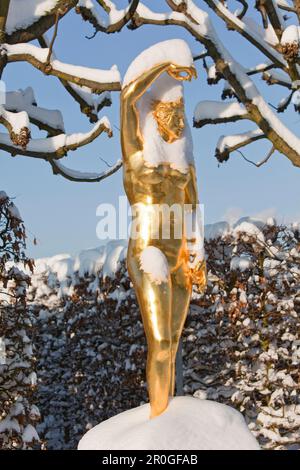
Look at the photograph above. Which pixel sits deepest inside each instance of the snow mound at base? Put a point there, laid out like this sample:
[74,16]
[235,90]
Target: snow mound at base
[188,424]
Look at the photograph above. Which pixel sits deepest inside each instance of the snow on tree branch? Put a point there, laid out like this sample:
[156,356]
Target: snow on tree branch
[45,119]
[276,77]
[28,20]
[240,14]
[115,20]
[285,6]
[213,112]
[95,79]
[275,37]
[55,147]
[245,30]
[83,177]
[89,104]
[272,33]
[80,82]
[276,17]
[17,125]
[229,143]
[197,22]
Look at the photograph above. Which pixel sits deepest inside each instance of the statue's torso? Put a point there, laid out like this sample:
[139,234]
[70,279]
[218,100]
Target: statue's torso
[155,173]
[161,184]
[156,187]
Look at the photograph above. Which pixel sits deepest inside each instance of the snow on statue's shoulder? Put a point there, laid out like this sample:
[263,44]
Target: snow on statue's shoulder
[174,50]
[187,424]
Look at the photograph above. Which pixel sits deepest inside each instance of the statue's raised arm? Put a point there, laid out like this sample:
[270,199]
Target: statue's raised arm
[133,91]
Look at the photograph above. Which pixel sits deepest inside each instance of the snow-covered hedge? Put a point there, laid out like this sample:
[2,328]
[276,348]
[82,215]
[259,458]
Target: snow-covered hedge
[241,342]
[18,413]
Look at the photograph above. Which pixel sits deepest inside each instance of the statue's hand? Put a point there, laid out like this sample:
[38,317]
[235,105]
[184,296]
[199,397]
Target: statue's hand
[195,257]
[194,233]
[197,272]
[182,73]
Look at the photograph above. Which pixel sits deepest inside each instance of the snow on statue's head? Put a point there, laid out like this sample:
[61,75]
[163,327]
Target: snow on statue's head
[175,51]
[166,88]
[163,124]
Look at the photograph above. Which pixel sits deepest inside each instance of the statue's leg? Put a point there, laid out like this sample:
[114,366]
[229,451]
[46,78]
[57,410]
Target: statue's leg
[181,294]
[155,305]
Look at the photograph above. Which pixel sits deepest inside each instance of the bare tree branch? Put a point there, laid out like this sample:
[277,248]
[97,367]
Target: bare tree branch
[244,9]
[213,76]
[200,56]
[284,103]
[58,13]
[261,163]
[259,69]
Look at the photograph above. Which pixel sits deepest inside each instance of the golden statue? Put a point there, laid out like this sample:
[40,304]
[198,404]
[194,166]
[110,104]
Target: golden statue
[159,171]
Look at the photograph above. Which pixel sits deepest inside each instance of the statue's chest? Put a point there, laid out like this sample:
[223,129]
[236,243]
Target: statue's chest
[163,174]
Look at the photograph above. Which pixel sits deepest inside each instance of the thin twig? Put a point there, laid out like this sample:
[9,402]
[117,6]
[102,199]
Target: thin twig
[259,164]
[106,163]
[244,10]
[200,56]
[283,107]
[58,13]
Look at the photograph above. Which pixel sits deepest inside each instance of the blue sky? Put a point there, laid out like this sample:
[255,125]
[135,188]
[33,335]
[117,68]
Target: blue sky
[62,214]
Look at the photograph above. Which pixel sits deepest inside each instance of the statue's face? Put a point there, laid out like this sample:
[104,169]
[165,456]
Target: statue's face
[170,119]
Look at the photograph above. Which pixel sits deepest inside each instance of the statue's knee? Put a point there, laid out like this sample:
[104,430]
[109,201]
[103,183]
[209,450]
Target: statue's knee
[160,350]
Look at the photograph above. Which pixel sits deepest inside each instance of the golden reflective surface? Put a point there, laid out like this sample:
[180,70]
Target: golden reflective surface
[164,305]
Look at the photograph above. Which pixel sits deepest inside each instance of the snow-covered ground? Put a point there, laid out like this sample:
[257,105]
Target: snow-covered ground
[188,423]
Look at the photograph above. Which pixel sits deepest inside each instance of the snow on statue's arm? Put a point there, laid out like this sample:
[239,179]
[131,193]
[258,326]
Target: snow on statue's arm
[131,91]
[194,233]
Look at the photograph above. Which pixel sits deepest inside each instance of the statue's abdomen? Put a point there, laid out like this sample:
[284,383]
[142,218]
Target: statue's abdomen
[162,184]
[157,196]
